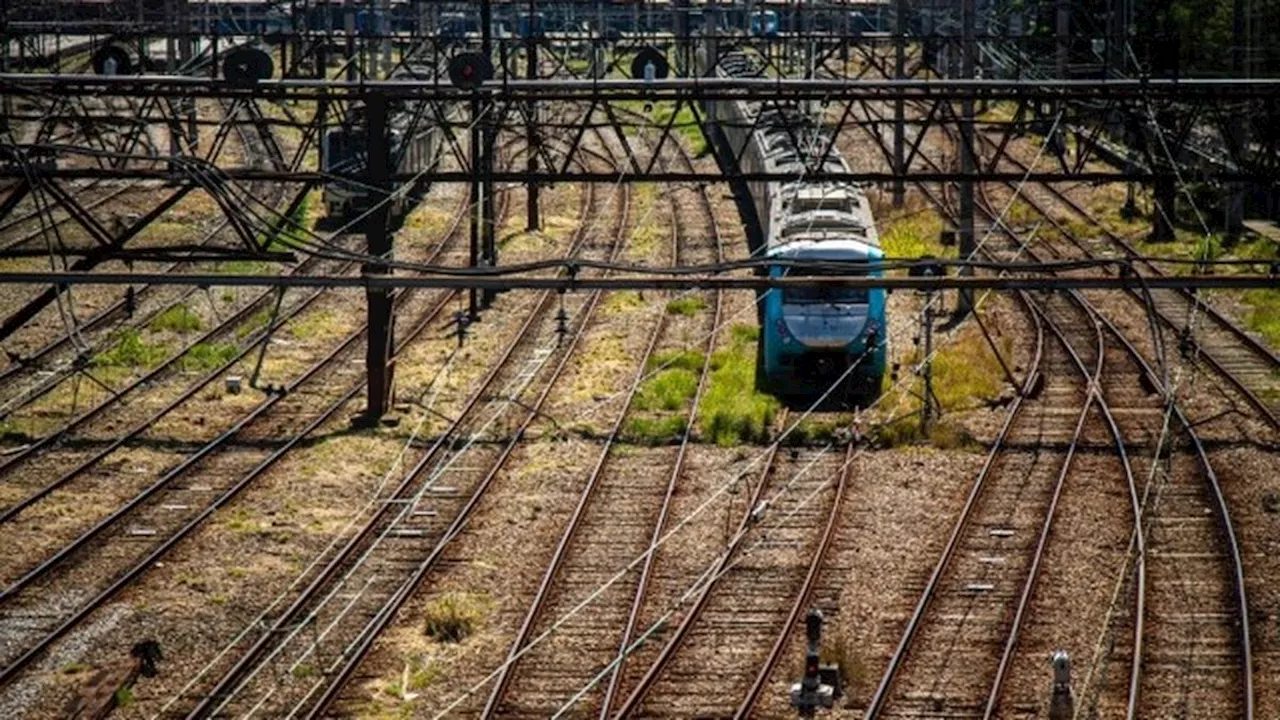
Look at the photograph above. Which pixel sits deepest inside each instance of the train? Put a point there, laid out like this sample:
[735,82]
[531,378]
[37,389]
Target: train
[415,140]
[811,340]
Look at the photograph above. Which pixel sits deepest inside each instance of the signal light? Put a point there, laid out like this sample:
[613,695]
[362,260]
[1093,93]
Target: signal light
[650,64]
[112,60]
[467,71]
[246,66]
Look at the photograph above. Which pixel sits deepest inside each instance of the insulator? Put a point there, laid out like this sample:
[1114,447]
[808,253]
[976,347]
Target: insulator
[562,325]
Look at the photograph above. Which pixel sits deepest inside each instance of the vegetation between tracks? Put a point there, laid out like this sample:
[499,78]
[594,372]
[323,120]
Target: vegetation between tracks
[732,410]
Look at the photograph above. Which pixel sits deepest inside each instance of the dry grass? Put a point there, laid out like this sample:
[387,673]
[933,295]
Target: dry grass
[455,616]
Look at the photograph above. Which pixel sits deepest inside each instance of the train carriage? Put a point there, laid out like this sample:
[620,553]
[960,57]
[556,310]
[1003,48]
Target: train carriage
[415,147]
[811,341]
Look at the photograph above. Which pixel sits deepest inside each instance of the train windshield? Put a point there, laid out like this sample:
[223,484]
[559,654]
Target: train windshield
[827,295]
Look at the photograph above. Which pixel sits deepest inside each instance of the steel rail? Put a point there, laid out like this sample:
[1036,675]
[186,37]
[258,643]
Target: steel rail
[105,314]
[660,525]
[356,652]
[247,665]
[137,569]
[1245,340]
[898,659]
[673,645]
[122,581]
[538,606]
[1222,514]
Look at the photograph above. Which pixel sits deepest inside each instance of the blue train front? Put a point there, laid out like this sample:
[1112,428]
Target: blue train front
[812,339]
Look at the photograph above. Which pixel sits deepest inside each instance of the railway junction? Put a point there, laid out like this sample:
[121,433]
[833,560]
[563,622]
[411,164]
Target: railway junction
[658,358]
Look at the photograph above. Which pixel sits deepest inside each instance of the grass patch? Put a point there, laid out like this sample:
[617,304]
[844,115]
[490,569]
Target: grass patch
[669,389]
[1264,314]
[815,431]
[313,325]
[914,235]
[178,318]
[690,360]
[130,350]
[654,430]
[621,301]
[686,306]
[455,616]
[287,232]
[206,356]
[254,323]
[732,410]
[243,267]
[124,697]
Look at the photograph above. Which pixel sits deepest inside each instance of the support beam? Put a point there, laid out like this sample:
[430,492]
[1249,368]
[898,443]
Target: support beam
[899,106]
[91,259]
[381,335]
[968,163]
[531,132]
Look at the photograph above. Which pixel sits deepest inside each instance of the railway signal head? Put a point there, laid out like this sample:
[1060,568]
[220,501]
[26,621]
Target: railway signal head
[649,64]
[112,60]
[467,71]
[246,66]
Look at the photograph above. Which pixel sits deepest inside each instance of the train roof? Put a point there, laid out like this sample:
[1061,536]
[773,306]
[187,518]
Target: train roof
[835,250]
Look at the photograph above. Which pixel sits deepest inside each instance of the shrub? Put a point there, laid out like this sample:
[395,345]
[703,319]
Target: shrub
[454,616]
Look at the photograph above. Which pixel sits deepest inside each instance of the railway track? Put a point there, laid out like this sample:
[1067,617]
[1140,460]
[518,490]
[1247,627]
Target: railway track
[129,540]
[362,585]
[1217,652]
[38,373]
[619,517]
[1247,364]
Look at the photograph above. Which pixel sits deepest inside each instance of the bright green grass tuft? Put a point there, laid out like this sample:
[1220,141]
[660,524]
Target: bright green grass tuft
[732,411]
[178,318]
[131,350]
[914,236]
[686,306]
[654,430]
[690,360]
[667,390]
[206,356]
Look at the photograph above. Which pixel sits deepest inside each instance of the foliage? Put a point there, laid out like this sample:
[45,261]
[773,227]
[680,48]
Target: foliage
[178,318]
[732,410]
[913,235]
[130,350]
[667,390]
[690,360]
[454,616]
[206,356]
[654,430]
[686,306]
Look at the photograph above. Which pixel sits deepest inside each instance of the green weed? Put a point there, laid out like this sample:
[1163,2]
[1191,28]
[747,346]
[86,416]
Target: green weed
[455,616]
[654,430]
[686,306]
[914,235]
[178,318]
[131,350]
[690,360]
[206,356]
[667,390]
[732,410]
